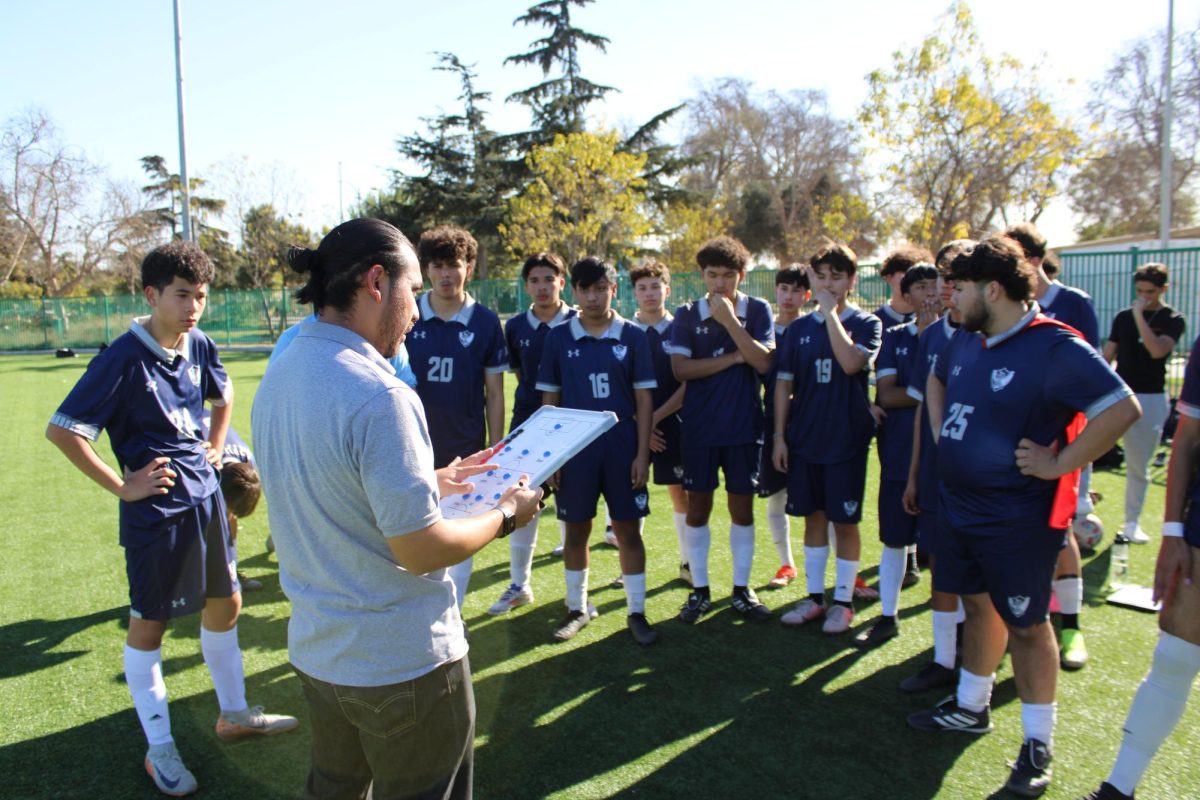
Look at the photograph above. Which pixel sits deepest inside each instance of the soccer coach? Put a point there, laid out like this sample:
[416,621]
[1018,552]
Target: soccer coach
[375,634]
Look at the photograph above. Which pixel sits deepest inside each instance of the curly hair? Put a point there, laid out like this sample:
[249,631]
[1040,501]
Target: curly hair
[838,257]
[447,243]
[179,259]
[999,259]
[723,251]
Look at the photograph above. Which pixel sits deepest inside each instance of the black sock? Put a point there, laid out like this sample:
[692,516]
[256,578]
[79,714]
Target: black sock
[884,619]
[739,589]
[701,590]
[1070,621]
[819,599]
[845,603]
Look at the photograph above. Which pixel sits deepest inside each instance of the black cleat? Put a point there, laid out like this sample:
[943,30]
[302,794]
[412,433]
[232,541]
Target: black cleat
[746,603]
[1107,792]
[574,623]
[1031,772]
[932,676]
[697,605]
[884,628]
[949,716]
[911,579]
[643,634]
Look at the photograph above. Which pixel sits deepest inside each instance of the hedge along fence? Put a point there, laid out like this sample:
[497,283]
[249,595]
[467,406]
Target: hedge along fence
[256,317]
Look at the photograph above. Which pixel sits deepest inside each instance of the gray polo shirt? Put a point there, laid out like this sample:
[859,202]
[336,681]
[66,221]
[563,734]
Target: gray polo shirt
[346,462]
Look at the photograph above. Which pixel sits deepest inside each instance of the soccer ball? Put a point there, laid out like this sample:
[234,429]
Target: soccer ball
[1089,532]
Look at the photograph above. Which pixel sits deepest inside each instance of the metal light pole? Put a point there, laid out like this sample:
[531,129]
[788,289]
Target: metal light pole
[183,170]
[1164,197]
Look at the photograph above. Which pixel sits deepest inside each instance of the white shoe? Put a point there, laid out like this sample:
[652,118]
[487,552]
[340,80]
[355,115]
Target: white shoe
[1134,533]
[166,769]
[610,538]
[513,597]
[557,551]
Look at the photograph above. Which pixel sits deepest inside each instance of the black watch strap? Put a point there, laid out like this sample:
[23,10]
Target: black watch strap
[510,522]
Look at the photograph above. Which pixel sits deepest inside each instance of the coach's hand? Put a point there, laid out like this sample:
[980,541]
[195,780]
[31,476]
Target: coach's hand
[524,502]
[1038,461]
[153,479]
[779,455]
[1174,565]
[452,477]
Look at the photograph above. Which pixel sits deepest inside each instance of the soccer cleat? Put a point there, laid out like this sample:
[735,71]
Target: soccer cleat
[512,597]
[746,603]
[862,591]
[785,575]
[837,619]
[610,538]
[253,722]
[1073,654]
[805,611]
[593,612]
[166,769]
[697,605]
[249,584]
[1134,533]
[1107,792]
[911,578]
[685,574]
[643,634]
[948,716]
[884,628]
[931,676]
[1031,771]
[558,550]
[574,623]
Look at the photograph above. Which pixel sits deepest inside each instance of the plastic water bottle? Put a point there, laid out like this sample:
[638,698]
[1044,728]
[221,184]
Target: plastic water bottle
[1118,563]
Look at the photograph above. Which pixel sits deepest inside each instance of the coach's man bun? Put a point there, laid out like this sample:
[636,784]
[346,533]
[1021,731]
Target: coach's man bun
[346,252]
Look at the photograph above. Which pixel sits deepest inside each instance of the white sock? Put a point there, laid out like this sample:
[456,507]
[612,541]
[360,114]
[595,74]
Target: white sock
[699,543]
[960,616]
[845,572]
[562,533]
[1038,721]
[576,589]
[780,528]
[681,535]
[143,676]
[1070,594]
[831,534]
[974,691]
[945,636]
[741,544]
[1156,709]
[460,576]
[635,593]
[892,563]
[521,544]
[816,559]
[224,660]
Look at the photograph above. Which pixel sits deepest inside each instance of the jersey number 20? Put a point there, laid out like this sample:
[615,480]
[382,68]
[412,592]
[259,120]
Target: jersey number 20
[441,370]
[956,421]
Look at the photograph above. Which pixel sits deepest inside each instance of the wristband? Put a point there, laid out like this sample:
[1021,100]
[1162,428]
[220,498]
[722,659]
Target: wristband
[1173,530]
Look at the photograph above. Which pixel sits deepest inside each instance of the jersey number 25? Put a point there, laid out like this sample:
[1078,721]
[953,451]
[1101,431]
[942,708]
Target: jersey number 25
[955,425]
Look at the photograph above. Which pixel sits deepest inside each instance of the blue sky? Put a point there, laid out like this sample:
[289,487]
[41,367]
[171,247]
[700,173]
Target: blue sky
[307,84]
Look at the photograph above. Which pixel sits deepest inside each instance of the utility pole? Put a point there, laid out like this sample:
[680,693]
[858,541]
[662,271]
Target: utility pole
[1164,196]
[184,188]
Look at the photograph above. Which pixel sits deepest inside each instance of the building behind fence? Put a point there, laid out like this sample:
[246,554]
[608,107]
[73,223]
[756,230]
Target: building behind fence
[256,317]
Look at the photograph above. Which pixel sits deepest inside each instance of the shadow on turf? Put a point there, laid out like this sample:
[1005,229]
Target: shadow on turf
[27,644]
[723,692]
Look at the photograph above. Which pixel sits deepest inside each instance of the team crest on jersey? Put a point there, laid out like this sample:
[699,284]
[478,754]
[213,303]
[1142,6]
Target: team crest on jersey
[850,506]
[466,337]
[194,373]
[619,350]
[666,346]
[1018,605]
[641,501]
[678,472]
[1001,378]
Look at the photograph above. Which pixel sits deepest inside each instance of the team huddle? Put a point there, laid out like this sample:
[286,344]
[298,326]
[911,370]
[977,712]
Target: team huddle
[990,401]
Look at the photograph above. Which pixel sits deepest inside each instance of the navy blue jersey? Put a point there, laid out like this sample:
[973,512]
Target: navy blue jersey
[1189,406]
[932,344]
[1027,382]
[525,336]
[236,448]
[1075,308]
[890,317]
[151,402]
[830,418]
[725,408]
[597,373]
[450,358]
[897,358]
[659,338]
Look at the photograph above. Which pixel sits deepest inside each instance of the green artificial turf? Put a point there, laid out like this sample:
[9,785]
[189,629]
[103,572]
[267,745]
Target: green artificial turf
[725,708]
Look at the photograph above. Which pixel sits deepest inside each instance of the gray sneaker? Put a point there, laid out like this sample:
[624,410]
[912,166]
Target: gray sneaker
[574,623]
[253,722]
[166,769]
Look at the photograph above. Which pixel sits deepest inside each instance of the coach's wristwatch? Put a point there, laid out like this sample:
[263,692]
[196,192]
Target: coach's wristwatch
[509,524]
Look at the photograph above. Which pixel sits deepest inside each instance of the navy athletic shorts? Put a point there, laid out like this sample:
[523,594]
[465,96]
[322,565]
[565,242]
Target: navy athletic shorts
[602,468]
[739,462]
[668,465]
[897,528]
[836,489]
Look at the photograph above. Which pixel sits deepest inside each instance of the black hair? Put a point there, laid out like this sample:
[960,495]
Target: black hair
[904,258]
[1000,259]
[1031,240]
[548,260]
[918,272]
[591,270]
[447,244]
[1051,264]
[838,257]
[792,274]
[346,252]
[950,250]
[179,259]
[1152,272]
[723,251]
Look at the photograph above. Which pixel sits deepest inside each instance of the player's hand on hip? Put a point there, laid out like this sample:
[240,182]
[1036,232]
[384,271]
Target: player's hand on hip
[1174,565]
[212,455]
[155,478]
[638,472]
[779,455]
[1036,460]
[524,501]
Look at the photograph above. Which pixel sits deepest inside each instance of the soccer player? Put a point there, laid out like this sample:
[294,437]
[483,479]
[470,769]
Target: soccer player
[823,429]
[1160,700]
[1004,412]
[1141,342]
[791,294]
[1075,308]
[720,345]
[147,390]
[923,487]
[894,266]
[599,362]
[893,373]
[525,334]
[651,287]
[458,353]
